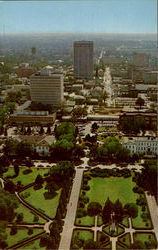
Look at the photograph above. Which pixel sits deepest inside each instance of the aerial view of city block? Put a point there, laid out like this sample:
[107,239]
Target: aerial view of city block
[78,125]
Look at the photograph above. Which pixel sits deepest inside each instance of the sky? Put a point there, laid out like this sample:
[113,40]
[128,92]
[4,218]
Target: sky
[122,16]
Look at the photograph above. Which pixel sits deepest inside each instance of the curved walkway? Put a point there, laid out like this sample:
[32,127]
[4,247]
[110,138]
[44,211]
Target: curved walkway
[31,208]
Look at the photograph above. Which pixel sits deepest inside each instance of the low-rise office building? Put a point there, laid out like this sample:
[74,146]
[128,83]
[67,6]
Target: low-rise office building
[32,118]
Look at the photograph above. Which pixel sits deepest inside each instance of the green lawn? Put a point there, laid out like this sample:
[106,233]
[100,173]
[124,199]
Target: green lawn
[20,235]
[138,221]
[102,238]
[25,178]
[99,221]
[144,237]
[85,221]
[125,222]
[37,200]
[125,239]
[28,215]
[83,234]
[34,245]
[115,188]
[112,187]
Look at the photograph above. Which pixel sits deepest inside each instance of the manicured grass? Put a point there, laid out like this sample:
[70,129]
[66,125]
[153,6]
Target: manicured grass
[112,187]
[102,238]
[108,246]
[99,221]
[37,200]
[34,245]
[20,235]
[145,237]
[28,215]
[119,230]
[116,188]
[25,178]
[125,222]
[83,234]
[125,239]
[85,221]
[138,221]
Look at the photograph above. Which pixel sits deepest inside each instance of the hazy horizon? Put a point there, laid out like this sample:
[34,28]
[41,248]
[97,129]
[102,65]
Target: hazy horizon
[108,16]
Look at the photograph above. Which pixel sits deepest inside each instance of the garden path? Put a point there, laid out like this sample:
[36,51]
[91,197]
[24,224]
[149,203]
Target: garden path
[153,208]
[66,234]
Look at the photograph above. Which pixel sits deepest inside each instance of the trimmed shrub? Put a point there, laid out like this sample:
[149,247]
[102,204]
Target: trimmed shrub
[27,171]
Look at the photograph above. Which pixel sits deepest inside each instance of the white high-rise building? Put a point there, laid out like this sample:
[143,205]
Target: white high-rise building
[47,86]
[83,59]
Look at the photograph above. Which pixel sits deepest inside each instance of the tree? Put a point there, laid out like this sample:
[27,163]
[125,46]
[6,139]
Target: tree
[23,150]
[14,96]
[119,211]
[64,128]
[16,169]
[19,218]
[41,132]
[94,126]
[131,210]
[140,102]
[107,210]
[62,149]
[79,112]
[8,204]
[62,171]
[104,96]
[13,230]
[9,186]
[94,208]
[39,179]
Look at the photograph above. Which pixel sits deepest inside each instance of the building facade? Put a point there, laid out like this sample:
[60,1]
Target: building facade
[146,147]
[47,87]
[32,118]
[83,60]
[149,118]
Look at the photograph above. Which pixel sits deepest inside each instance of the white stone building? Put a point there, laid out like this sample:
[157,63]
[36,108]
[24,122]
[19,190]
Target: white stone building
[148,147]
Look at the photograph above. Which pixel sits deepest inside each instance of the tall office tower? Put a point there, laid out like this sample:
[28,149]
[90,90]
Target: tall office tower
[83,59]
[140,60]
[47,86]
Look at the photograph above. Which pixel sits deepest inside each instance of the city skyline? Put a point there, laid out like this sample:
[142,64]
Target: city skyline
[116,16]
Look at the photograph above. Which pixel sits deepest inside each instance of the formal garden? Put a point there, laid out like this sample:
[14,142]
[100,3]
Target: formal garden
[39,196]
[112,205]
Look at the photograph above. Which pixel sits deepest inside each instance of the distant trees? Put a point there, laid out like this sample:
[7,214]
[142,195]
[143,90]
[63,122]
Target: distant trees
[79,112]
[4,114]
[111,150]
[65,147]
[64,128]
[14,96]
[140,102]
[13,147]
[136,125]
[147,179]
